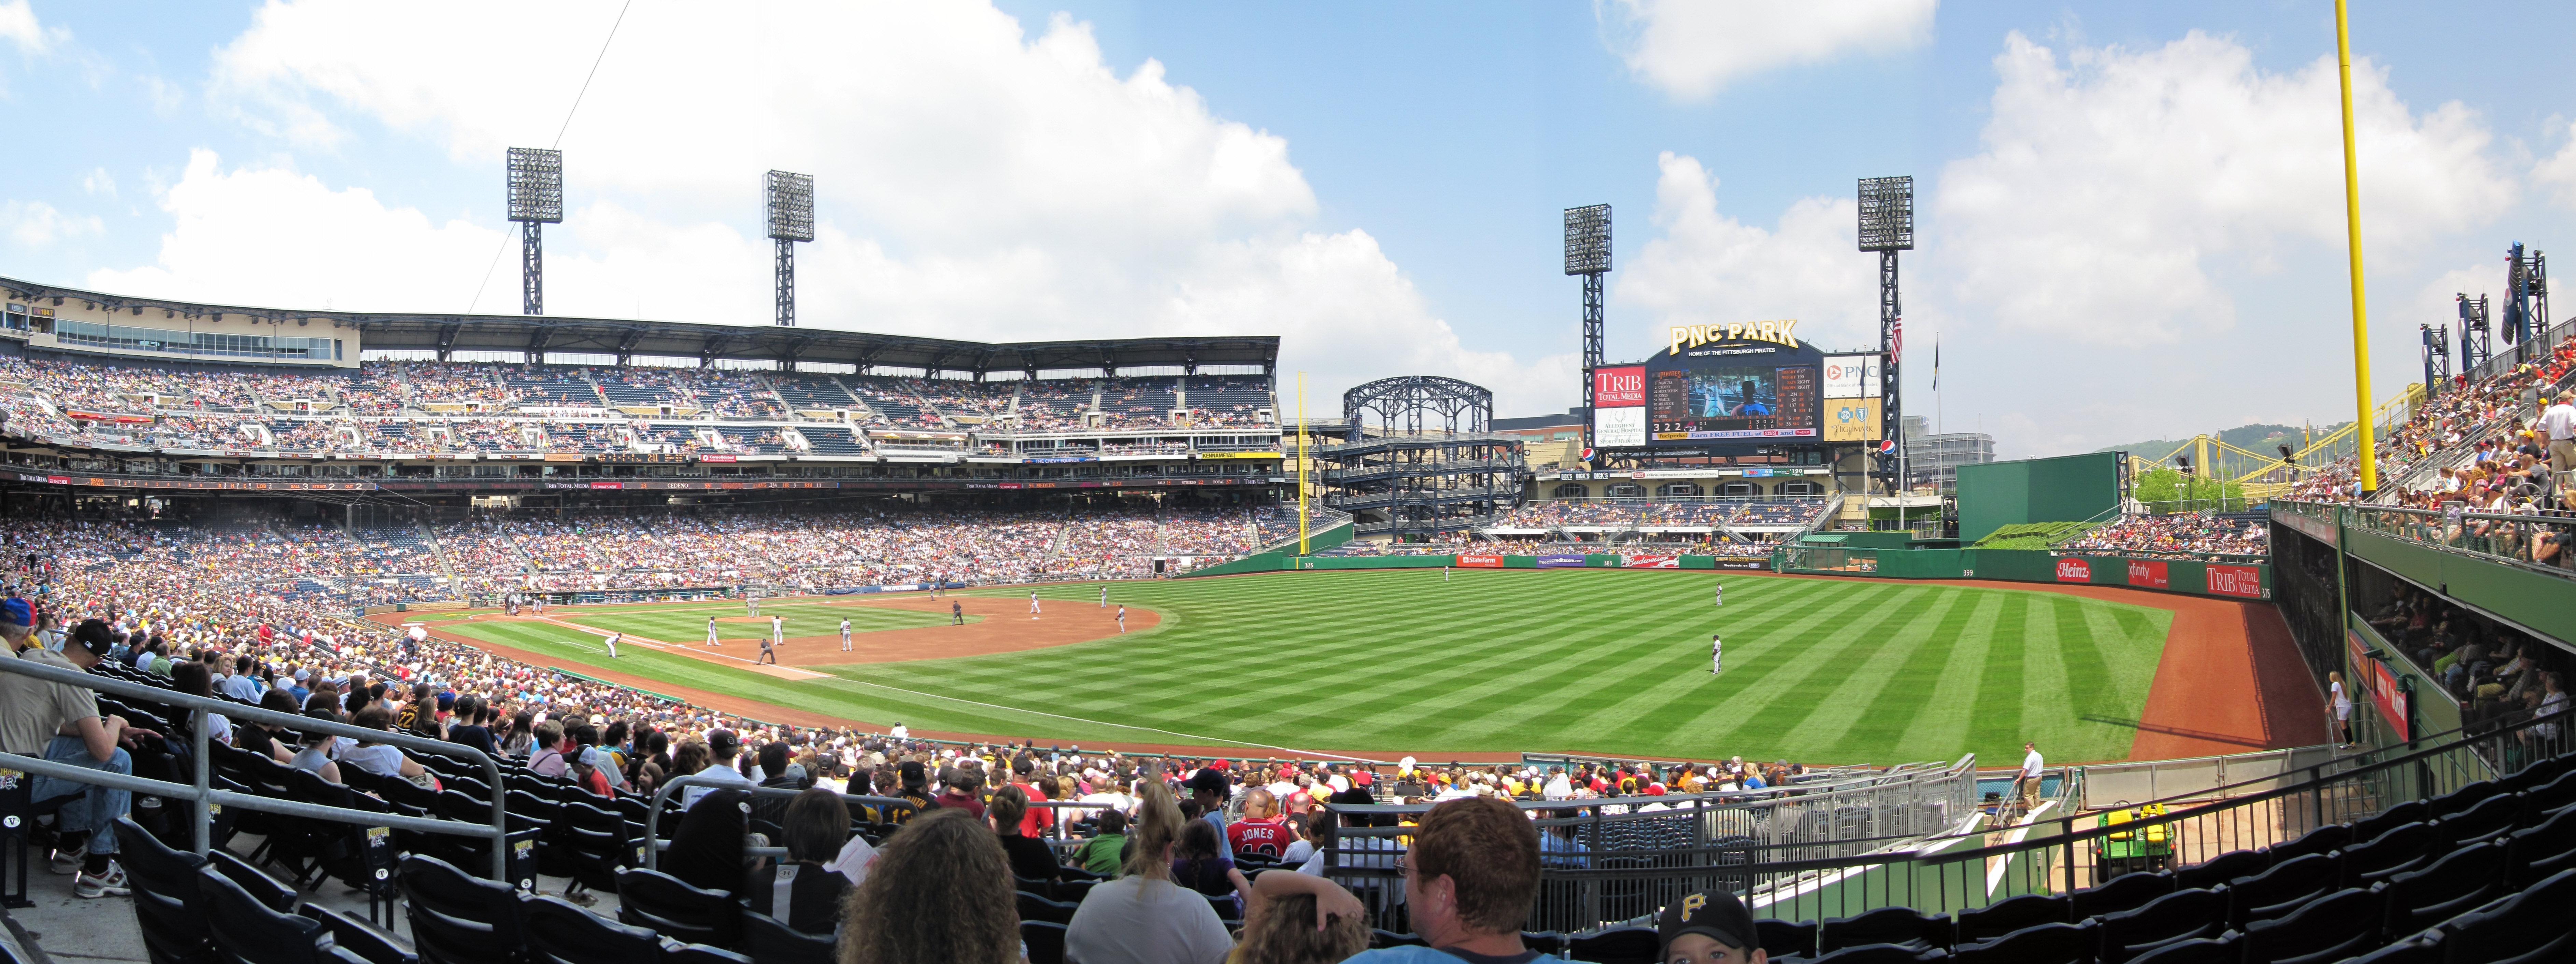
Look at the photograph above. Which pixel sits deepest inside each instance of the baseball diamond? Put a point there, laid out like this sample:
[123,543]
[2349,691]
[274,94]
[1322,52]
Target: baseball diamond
[1491,661]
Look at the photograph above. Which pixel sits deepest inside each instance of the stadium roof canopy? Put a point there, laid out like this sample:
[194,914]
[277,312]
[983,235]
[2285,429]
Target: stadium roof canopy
[444,333]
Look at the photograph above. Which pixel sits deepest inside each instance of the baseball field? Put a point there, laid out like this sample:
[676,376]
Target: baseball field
[1391,662]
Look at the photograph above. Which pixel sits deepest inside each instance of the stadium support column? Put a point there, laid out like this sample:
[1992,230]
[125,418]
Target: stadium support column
[1587,253]
[532,269]
[536,198]
[1887,227]
[786,283]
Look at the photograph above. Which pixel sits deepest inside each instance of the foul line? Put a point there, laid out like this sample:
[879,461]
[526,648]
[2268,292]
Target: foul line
[1125,726]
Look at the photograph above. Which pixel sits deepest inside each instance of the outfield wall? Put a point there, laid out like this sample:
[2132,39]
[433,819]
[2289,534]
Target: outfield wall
[2224,578]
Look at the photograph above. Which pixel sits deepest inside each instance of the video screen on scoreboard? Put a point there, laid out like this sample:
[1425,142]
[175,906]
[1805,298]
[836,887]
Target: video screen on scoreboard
[1733,402]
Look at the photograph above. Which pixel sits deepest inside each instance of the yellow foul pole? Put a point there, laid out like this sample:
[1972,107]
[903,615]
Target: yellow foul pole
[1301,463]
[2352,231]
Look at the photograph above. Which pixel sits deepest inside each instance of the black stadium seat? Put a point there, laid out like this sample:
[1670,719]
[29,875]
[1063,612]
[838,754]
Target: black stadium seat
[1044,940]
[2322,840]
[2009,915]
[2124,892]
[2460,881]
[656,900]
[248,931]
[561,933]
[1886,925]
[769,941]
[1781,938]
[2221,869]
[2281,889]
[1034,907]
[168,905]
[2198,950]
[2537,852]
[1618,945]
[360,938]
[2490,818]
[2181,915]
[2329,928]
[1875,954]
[2400,849]
[2533,926]
[2039,944]
[456,918]
[702,954]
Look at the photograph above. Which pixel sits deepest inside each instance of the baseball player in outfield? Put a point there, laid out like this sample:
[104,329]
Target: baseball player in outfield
[845,634]
[711,632]
[1716,655]
[1104,596]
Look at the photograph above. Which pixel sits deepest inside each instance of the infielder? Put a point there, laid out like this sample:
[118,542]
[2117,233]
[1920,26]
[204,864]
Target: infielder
[845,634]
[1033,605]
[769,646]
[711,632]
[956,613]
[1716,655]
[1104,597]
[612,644]
[1122,620]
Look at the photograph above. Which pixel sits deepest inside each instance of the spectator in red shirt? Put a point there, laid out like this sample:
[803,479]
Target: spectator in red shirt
[961,792]
[1261,831]
[1034,824]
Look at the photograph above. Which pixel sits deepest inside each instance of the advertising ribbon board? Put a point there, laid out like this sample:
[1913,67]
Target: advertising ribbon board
[1479,562]
[1560,562]
[1654,562]
[2243,582]
[2390,699]
[2148,573]
[2074,570]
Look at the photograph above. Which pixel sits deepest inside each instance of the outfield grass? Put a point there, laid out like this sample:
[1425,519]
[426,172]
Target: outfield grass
[1500,661]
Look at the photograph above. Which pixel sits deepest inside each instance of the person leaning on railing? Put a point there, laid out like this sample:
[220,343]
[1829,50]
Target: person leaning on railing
[60,722]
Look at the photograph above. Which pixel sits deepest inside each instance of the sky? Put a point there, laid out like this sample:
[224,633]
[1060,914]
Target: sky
[2130,216]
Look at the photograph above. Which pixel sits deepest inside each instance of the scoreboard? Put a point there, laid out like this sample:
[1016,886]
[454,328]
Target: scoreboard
[1753,387]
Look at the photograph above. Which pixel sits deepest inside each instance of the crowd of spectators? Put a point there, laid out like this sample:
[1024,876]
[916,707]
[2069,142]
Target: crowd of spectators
[2182,534]
[1655,513]
[2489,667]
[420,408]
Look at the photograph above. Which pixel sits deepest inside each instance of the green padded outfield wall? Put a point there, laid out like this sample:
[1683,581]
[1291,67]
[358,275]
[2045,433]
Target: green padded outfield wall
[2068,488]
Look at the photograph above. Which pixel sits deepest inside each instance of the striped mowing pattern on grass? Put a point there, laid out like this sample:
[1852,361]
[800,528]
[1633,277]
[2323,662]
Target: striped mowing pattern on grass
[1586,661]
[687,622]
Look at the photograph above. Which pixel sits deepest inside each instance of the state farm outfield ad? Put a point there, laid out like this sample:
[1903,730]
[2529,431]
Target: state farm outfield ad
[1480,562]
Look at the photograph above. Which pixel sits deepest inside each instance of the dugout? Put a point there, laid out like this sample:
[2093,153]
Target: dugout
[2068,488]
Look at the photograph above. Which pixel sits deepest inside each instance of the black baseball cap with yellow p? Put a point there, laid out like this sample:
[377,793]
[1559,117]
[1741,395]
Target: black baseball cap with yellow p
[1714,913]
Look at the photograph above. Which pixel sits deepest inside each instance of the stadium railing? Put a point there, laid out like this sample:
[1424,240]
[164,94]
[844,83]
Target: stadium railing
[2505,539]
[884,808]
[204,795]
[1600,869]
[1604,860]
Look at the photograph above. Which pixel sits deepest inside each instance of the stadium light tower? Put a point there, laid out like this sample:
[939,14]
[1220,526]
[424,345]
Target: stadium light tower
[1587,253]
[536,197]
[1887,227]
[791,219]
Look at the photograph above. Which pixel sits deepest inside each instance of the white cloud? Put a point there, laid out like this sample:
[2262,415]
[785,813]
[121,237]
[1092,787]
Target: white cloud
[2118,190]
[1691,48]
[274,238]
[33,224]
[98,181]
[1706,266]
[972,182]
[18,26]
[2558,171]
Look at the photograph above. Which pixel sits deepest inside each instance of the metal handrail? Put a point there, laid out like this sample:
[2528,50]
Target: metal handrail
[662,798]
[203,792]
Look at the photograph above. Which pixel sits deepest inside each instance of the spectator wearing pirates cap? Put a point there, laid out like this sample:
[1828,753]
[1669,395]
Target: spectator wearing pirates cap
[1709,927]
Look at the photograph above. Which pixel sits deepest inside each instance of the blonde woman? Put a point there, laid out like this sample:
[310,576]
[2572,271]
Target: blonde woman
[1143,917]
[2341,702]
